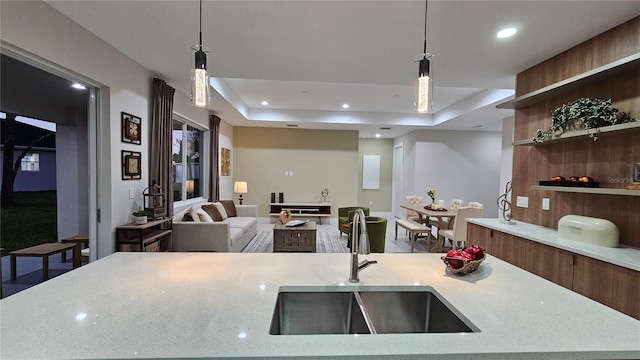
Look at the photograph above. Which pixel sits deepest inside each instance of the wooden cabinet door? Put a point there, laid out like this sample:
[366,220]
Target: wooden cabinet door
[611,285]
[509,248]
[479,235]
[550,263]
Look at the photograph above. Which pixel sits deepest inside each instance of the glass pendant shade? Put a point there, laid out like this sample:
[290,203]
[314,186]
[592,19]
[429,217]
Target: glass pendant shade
[200,95]
[424,91]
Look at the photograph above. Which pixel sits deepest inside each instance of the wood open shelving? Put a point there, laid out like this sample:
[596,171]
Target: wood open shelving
[624,65]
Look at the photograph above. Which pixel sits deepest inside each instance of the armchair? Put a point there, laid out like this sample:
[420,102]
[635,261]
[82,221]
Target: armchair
[345,216]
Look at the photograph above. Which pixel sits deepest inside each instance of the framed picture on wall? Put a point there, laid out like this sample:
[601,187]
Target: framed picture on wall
[131,165]
[225,164]
[131,128]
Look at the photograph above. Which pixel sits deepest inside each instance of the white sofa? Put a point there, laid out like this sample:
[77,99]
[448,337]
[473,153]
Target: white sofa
[229,235]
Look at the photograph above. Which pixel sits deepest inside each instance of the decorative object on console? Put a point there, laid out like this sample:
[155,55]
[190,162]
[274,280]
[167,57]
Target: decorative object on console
[505,205]
[240,187]
[131,165]
[131,128]
[154,201]
[584,113]
[281,198]
[140,217]
[324,193]
[273,198]
[285,216]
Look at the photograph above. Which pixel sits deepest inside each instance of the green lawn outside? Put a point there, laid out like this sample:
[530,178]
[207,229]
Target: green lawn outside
[31,221]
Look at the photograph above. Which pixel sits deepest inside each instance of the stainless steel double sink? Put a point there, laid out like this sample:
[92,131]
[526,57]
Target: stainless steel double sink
[365,310]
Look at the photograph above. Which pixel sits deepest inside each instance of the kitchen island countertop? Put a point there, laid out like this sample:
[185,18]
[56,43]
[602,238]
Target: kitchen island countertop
[214,305]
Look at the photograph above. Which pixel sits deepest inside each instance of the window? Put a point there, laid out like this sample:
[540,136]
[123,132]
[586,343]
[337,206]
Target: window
[187,153]
[30,162]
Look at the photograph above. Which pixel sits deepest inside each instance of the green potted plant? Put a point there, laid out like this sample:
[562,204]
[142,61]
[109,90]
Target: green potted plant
[140,217]
[584,113]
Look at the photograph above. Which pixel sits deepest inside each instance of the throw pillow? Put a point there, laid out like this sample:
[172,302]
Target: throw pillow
[212,210]
[187,217]
[229,207]
[221,210]
[193,214]
[204,217]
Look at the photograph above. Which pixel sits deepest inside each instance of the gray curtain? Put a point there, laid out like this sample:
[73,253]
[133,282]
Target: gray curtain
[160,162]
[214,169]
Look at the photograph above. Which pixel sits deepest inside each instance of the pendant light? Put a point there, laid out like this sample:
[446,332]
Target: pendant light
[424,87]
[200,95]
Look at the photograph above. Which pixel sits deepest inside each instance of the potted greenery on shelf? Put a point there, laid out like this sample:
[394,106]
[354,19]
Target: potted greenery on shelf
[584,113]
[140,217]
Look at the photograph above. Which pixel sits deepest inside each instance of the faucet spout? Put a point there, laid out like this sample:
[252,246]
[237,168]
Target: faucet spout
[359,245]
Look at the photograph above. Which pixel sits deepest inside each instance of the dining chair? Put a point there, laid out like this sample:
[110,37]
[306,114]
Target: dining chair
[476,205]
[413,200]
[457,235]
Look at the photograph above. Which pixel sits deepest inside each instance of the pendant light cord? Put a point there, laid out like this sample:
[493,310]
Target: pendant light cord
[200,43]
[426,3]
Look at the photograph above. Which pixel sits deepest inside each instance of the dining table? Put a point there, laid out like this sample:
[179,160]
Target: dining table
[443,216]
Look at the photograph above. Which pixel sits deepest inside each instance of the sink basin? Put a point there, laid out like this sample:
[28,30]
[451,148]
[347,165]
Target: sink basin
[303,313]
[371,310]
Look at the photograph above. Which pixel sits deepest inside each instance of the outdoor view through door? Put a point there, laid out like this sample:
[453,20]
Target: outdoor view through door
[187,154]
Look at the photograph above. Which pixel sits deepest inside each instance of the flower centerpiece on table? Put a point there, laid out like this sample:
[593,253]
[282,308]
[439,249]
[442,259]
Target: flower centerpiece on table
[432,194]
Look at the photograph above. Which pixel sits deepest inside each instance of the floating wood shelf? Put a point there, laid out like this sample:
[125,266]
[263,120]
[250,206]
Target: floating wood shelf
[603,191]
[624,65]
[573,135]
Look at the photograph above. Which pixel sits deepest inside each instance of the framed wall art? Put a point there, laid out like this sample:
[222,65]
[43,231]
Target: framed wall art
[131,128]
[131,165]
[225,167]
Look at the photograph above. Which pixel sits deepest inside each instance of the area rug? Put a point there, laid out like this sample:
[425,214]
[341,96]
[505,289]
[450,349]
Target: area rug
[326,242]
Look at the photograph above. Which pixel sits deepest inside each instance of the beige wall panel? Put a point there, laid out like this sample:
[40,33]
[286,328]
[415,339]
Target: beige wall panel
[319,159]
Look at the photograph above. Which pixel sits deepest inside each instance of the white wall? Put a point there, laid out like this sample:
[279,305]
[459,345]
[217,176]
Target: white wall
[458,164]
[39,32]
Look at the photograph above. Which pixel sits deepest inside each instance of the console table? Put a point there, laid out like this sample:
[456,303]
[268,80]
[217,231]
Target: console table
[318,210]
[155,235]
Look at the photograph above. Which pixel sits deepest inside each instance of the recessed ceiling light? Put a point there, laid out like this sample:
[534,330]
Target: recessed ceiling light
[378,135]
[505,33]
[264,102]
[79,86]
[345,106]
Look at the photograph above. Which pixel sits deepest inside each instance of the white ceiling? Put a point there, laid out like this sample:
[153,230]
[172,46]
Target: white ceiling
[307,58]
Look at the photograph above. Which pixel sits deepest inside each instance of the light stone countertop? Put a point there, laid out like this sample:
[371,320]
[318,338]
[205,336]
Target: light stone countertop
[623,256]
[215,305]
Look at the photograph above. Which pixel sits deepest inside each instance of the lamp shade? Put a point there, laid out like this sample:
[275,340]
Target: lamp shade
[240,187]
[190,185]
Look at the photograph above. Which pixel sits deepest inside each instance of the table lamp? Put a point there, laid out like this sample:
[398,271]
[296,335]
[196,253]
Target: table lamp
[240,187]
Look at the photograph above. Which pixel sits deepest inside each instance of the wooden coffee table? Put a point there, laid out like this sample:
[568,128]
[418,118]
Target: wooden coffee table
[44,251]
[300,238]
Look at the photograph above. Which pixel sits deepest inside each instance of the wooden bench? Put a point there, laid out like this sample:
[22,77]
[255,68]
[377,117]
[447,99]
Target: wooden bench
[44,251]
[414,229]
